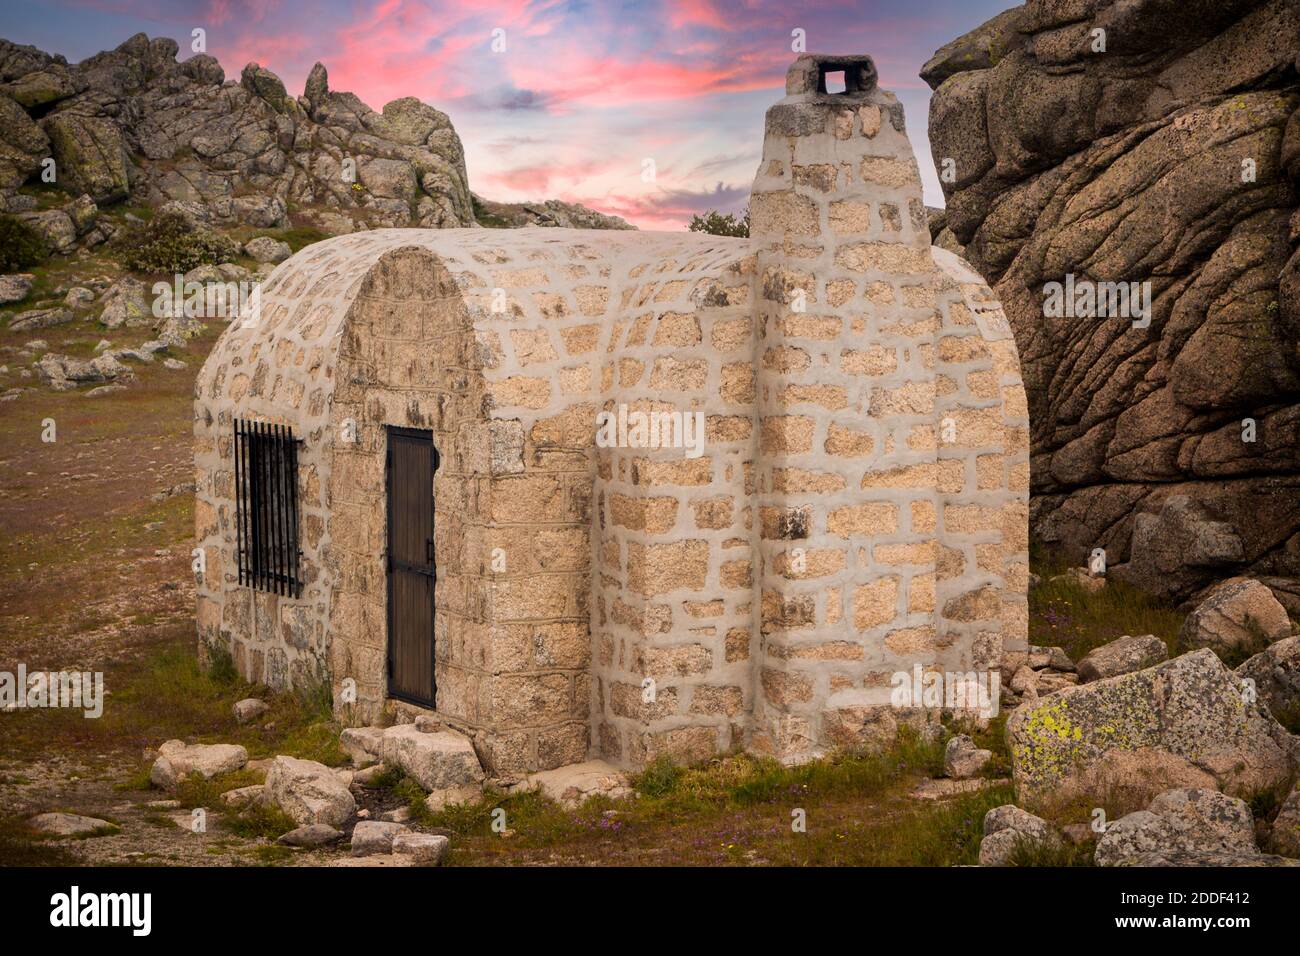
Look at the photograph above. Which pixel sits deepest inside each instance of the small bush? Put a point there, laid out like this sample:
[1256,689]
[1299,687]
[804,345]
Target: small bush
[171,243]
[20,245]
[716,224]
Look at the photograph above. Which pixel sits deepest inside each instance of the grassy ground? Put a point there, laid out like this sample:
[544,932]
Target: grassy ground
[1062,614]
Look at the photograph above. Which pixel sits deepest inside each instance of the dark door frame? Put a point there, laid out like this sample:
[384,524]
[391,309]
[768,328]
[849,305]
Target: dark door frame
[391,564]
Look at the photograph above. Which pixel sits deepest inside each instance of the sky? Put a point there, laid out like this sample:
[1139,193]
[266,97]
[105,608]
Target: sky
[554,99]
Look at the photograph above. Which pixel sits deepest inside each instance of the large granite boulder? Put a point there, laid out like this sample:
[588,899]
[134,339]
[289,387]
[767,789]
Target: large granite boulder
[1137,141]
[1121,741]
[1122,656]
[1238,618]
[309,792]
[442,762]
[1180,821]
[1275,675]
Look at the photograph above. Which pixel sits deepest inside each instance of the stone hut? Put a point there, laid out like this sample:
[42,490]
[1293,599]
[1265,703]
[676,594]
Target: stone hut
[623,494]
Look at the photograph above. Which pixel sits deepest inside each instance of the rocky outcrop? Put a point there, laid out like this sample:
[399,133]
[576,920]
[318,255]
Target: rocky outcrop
[1124,740]
[1134,141]
[135,121]
[551,213]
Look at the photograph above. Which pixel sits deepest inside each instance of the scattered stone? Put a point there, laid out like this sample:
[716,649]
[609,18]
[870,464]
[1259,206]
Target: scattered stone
[378,860]
[1008,829]
[174,364]
[309,792]
[368,775]
[177,760]
[78,297]
[163,804]
[1092,584]
[1186,820]
[55,227]
[101,390]
[362,744]
[248,709]
[400,815]
[311,835]
[70,824]
[125,305]
[962,759]
[1122,656]
[945,788]
[14,287]
[103,345]
[242,797]
[571,785]
[1131,737]
[426,849]
[266,249]
[1050,657]
[1238,617]
[39,319]
[374,836]
[1025,681]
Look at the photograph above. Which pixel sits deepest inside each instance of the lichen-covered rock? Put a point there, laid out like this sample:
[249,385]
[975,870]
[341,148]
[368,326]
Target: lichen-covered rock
[125,305]
[14,288]
[23,144]
[55,227]
[33,319]
[1169,159]
[363,744]
[1238,618]
[1122,656]
[266,249]
[1126,739]
[309,792]
[1180,821]
[90,153]
[1275,674]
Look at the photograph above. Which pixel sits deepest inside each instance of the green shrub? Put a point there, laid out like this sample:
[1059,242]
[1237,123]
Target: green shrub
[171,243]
[20,245]
[716,224]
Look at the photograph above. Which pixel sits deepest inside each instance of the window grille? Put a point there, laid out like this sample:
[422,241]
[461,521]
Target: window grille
[266,492]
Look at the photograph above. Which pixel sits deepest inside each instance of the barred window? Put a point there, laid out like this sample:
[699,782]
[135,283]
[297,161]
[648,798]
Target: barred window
[266,492]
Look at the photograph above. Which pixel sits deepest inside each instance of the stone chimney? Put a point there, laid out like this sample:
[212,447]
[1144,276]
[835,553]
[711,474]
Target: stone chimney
[851,488]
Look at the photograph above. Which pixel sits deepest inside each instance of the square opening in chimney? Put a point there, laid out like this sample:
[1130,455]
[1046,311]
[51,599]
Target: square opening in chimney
[833,81]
